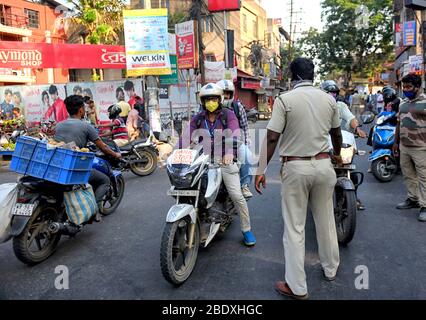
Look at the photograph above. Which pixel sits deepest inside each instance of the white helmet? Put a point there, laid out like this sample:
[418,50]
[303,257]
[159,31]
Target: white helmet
[211,90]
[227,85]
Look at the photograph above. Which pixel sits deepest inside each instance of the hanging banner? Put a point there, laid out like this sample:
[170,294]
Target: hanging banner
[416,64]
[216,71]
[16,54]
[147,42]
[186,45]
[410,34]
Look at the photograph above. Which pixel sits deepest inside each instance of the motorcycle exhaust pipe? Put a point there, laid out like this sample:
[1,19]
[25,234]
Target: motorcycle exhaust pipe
[64,228]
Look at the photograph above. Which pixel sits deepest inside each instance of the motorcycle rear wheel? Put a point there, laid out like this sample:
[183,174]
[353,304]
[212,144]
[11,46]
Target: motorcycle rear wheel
[35,244]
[345,209]
[176,259]
[148,168]
[378,167]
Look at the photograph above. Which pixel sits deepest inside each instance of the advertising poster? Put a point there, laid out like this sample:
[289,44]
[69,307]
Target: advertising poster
[410,34]
[37,103]
[416,64]
[186,45]
[147,42]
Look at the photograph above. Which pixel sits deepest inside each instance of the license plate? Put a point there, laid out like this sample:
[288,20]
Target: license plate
[183,193]
[346,166]
[23,209]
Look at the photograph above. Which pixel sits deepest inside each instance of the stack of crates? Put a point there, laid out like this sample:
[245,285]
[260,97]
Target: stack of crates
[32,157]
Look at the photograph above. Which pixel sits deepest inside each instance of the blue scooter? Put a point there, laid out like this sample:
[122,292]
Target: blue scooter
[384,163]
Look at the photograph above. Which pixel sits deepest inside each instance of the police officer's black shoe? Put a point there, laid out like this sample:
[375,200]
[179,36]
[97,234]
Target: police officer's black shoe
[408,204]
[422,215]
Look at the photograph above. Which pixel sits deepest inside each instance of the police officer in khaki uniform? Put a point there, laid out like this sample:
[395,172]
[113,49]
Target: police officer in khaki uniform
[305,117]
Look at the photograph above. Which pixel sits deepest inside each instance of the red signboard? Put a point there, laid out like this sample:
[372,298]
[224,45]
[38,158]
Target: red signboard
[224,5]
[186,45]
[14,54]
[250,84]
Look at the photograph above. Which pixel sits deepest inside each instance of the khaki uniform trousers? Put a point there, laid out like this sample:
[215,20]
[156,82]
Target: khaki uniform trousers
[413,166]
[231,179]
[308,182]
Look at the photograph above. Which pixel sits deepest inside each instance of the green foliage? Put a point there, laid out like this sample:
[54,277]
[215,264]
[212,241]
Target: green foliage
[175,18]
[345,45]
[102,20]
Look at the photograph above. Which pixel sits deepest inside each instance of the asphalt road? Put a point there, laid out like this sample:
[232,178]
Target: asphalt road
[119,257]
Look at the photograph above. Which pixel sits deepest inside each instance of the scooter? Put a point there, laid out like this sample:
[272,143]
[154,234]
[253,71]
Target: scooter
[384,164]
[39,217]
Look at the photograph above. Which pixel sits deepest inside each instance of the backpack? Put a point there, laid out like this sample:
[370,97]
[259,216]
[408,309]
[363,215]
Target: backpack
[236,109]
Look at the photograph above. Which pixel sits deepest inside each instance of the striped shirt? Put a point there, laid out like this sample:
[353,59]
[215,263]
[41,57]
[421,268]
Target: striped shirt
[119,129]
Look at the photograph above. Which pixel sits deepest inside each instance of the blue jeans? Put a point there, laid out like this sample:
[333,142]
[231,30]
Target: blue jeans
[245,156]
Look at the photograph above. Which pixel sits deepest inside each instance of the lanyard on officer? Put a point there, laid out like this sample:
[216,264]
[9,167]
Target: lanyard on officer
[211,131]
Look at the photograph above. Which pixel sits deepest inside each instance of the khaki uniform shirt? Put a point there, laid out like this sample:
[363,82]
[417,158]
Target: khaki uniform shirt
[305,119]
[412,117]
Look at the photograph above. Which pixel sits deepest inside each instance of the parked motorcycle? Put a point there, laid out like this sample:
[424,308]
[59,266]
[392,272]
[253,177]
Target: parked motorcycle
[345,199]
[252,115]
[384,164]
[202,210]
[39,217]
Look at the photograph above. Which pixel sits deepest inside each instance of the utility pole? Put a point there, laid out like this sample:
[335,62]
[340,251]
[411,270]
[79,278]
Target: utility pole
[195,13]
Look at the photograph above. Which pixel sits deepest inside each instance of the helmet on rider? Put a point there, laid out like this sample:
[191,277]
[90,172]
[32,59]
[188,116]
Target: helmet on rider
[211,97]
[228,88]
[389,94]
[330,86]
[114,111]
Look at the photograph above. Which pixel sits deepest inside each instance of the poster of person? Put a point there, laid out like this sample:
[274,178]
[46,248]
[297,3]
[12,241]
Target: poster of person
[35,102]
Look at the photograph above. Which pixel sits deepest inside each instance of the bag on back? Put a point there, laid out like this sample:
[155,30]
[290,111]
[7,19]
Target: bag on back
[8,195]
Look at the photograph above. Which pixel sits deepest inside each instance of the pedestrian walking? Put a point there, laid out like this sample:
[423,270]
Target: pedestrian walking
[305,117]
[411,140]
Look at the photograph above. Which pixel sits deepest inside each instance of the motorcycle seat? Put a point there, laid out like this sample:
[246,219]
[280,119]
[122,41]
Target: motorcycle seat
[129,146]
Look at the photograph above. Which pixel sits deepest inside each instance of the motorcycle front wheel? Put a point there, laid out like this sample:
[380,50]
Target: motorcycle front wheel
[345,208]
[36,243]
[176,258]
[147,167]
[380,170]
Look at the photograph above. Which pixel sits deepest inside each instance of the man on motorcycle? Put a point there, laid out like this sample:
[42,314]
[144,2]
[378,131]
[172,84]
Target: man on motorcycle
[348,122]
[214,120]
[81,132]
[230,103]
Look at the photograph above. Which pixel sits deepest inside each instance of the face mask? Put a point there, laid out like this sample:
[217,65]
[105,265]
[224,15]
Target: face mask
[212,106]
[410,94]
[227,103]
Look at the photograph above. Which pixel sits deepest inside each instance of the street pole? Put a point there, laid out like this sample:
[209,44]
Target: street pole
[225,27]
[188,91]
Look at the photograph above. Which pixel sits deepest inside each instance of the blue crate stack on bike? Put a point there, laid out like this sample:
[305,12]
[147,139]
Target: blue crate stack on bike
[34,158]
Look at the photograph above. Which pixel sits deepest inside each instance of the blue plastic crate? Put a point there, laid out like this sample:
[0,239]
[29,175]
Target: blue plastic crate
[56,165]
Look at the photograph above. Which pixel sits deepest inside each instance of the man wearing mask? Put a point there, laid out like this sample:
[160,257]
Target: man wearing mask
[213,121]
[305,117]
[410,137]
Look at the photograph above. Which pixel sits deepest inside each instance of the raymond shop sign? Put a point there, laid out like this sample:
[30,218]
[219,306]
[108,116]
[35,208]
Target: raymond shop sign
[14,54]
[186,45]
[147,42]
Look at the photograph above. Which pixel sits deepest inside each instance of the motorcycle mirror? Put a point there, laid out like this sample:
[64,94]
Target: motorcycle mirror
[367,117]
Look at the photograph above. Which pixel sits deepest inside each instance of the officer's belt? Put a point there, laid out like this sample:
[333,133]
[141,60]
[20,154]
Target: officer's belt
[319,156]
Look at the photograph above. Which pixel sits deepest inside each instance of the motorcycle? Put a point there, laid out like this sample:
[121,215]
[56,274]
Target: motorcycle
[141,156]
[202,210]
[252,115]
[39,218]
[384,164]
[344,198]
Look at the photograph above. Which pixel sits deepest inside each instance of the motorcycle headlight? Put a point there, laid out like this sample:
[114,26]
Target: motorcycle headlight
[181,176]
[347,155]
[380,120]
